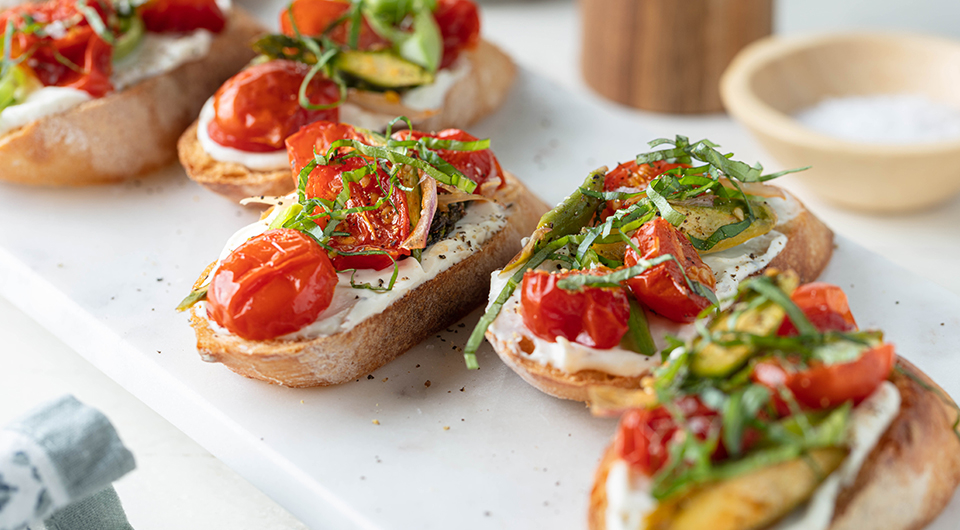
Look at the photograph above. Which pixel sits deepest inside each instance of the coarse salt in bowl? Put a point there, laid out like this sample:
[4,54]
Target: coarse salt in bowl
[876,115]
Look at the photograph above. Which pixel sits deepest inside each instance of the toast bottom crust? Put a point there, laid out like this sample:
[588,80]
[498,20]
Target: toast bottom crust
[345,356]
[906,481]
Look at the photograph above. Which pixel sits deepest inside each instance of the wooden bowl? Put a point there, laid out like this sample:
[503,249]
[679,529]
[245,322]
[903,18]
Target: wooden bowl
[775,77]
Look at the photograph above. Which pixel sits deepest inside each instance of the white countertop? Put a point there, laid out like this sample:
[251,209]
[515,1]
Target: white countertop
[178,484]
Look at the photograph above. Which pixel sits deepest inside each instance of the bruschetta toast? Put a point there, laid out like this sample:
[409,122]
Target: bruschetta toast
[795,420]
[425,61]
[92,93]
[632,257]
[387,239]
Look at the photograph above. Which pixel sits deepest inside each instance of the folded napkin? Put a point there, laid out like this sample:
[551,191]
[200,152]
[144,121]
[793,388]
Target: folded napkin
[58,454]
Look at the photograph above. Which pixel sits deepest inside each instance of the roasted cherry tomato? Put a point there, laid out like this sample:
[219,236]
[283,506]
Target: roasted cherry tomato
[383,229]
[459,23]
[823,386]
[644,435]
[478,166]
[633,175]
[663,288]
[257,109]
[318,138]
[313,17]
[273,284]
[78,58]
[592,316]
[180,16]
[825,306]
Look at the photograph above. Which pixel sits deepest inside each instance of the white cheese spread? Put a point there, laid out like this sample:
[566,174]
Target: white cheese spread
[40,103]
[432,96]
[269,161]
[158,54]
[628,493]
[350,306]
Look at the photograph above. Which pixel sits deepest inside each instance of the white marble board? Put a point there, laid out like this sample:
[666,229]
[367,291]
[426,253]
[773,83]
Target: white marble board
[102,268]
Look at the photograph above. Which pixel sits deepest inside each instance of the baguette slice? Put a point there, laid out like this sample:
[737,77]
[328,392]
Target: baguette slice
[129,132]
[808,250]
[474,96]
[345,356]
[906,480]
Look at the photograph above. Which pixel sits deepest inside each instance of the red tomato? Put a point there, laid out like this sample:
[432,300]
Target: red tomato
[591,316]
[273,284]
[78,59]
[644,436]
[663,288]
[383,229]
[824,386]
[180,16]
[478,166]
[459,23]
[825,306]
[313,17]
[257,109]
[632,175]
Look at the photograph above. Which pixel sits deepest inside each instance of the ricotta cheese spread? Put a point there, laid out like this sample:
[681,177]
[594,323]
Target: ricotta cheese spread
[40,103]
[730,267]
[432,96]
[350,306]
[628,493]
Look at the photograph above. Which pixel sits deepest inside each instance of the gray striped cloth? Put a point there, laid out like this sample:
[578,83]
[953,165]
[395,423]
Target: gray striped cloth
[57,463]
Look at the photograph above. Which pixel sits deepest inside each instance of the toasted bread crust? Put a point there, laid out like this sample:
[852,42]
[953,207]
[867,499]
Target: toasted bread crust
[233,181]
[476,95]
[808,251]
[905,482]
[129,132]
[379,339]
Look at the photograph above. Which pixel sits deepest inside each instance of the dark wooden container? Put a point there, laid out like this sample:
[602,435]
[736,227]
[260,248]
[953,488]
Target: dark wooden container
[667,55]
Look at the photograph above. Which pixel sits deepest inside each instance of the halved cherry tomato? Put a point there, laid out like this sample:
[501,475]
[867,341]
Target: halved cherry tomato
[318,137]
[383,229]
[644,435]
[78,59]
[663,288]
[313,17]
[824,386]
[631,175]
[180,16]
[273,284]
[825,306]
[257,109]
[459,23]
[592,316]
[478,166]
